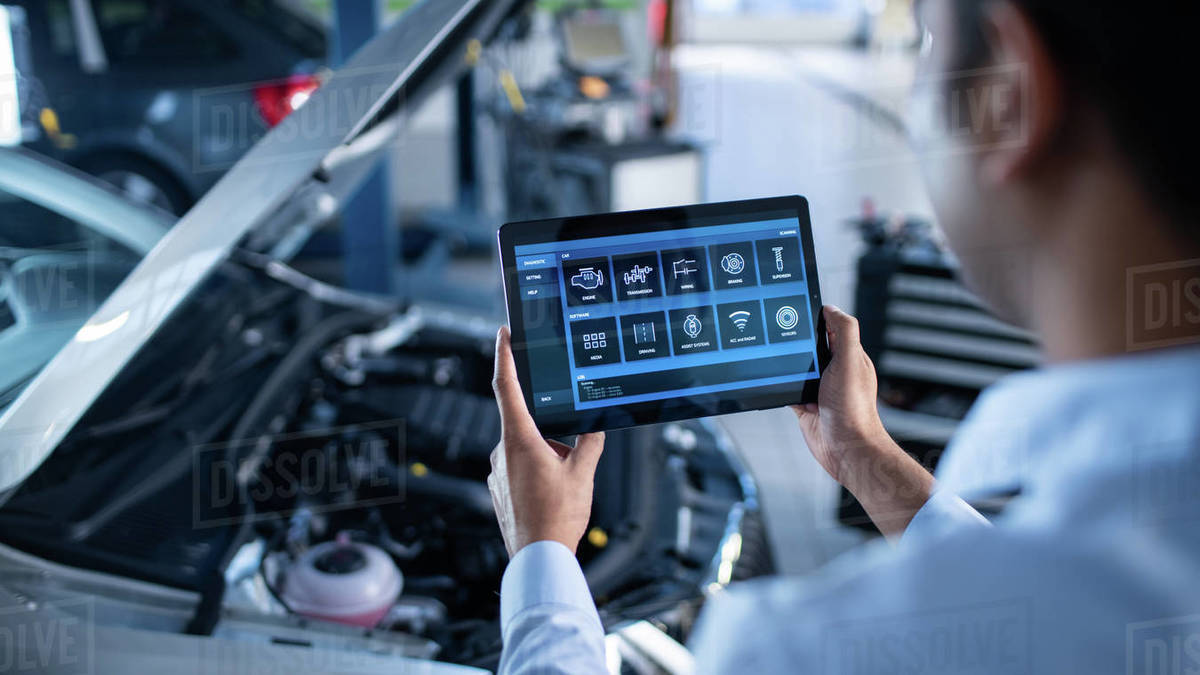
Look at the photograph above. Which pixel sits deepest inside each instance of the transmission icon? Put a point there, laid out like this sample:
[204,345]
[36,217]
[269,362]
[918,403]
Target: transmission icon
[637,275]
[787,317]
[692,326]
[733,263]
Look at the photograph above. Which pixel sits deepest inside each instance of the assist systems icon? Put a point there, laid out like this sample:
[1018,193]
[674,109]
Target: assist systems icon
[588,278]
[692,326]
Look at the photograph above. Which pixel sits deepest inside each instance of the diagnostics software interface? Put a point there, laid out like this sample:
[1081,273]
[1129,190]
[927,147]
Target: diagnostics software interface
[656,315]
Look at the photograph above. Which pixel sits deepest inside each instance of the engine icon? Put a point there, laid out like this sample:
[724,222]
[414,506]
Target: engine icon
[692,326]
[588,278]
[733,263]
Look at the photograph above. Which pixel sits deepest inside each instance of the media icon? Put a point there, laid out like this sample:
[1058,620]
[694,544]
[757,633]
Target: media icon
[733,263]
[787,317]
[637,275]
[588,278]
[684,267]
[740,319]
[595,342]
[692,326]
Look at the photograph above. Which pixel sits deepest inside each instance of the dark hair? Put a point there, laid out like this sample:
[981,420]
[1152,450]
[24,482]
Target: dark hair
[1129,60]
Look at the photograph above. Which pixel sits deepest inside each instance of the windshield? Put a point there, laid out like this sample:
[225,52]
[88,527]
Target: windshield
[54,272]
[289,22]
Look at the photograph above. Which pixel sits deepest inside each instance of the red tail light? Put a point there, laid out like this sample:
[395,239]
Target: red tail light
[277,100]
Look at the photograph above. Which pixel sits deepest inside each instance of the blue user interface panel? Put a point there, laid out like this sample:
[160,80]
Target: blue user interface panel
[656,315]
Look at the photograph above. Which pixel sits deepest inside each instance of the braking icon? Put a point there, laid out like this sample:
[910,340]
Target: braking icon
[733,263]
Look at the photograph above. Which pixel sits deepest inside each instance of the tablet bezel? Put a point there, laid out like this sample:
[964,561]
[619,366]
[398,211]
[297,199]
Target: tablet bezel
[511,235]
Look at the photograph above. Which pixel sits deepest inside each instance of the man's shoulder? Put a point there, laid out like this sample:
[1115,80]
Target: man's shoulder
[980,595]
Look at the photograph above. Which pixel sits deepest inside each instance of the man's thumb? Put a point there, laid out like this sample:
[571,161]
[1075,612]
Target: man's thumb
[842,328]
[587,451]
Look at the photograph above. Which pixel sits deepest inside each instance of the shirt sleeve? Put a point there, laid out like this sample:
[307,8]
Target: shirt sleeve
[547,618]
[943,512]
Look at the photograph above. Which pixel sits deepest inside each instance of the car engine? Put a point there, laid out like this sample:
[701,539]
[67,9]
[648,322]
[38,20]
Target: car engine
[314,473]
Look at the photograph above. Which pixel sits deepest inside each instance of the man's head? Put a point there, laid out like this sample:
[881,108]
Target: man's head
[1029,112]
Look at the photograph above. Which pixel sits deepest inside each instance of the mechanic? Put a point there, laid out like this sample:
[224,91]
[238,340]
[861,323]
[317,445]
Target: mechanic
[1077,177]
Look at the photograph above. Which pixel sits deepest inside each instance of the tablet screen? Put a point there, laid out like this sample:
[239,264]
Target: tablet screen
[687,311]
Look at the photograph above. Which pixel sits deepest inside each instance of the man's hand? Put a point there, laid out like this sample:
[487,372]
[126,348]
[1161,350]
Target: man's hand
[847,438]
[542,490]
[844,423]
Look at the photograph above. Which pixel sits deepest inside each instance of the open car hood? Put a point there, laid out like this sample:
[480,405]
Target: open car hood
[304,167]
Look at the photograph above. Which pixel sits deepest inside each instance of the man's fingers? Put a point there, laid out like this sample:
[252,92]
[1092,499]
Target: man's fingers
[587,451]
[843,330]
[513,413]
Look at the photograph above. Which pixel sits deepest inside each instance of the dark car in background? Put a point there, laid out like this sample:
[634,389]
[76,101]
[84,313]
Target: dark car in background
[160,97]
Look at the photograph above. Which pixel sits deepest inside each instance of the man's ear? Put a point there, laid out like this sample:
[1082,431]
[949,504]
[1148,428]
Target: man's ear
[1023,96]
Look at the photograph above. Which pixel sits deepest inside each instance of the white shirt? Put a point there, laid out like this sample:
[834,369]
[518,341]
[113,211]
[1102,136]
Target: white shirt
[1093,568]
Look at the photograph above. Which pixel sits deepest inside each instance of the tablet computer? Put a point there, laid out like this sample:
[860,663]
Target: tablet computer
[639,317]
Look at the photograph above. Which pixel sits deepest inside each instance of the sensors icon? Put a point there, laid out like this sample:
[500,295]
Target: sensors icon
[787,317]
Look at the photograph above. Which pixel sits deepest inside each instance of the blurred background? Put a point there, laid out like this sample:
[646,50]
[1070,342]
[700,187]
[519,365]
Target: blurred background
[563,107]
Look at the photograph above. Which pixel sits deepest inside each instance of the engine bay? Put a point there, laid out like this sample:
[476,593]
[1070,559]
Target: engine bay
[317,467]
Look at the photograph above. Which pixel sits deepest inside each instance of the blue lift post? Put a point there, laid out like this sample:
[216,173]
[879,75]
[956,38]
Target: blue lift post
[370,242]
